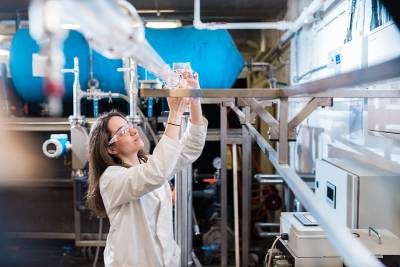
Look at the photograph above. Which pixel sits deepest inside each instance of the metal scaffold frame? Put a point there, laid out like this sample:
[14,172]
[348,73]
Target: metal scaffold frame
[321,93]
[246,104]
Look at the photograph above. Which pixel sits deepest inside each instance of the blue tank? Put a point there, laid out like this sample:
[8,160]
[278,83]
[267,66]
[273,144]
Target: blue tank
[21,51]
[212,54]
[105,71]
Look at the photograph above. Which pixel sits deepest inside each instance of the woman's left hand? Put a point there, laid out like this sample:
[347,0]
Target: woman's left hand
[190,81]
[193,81]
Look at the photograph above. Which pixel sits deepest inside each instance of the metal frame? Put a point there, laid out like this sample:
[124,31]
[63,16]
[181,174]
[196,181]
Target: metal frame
[336,86]
[321,91]
[183,208]
[269,93]
[246,188]
[224,186]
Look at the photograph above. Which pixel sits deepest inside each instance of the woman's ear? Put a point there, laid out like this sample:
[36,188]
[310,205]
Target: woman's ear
[111,150]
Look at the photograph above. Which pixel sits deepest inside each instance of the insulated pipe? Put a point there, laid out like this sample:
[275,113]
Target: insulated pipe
[304,18]
[352,251]
[291,27]
[198,24]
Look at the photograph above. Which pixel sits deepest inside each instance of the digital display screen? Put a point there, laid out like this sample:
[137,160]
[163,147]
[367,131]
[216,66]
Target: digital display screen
[330,193]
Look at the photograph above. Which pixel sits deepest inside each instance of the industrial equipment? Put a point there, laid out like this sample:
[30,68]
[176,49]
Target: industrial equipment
[111,61]
[304,244]
[359,194]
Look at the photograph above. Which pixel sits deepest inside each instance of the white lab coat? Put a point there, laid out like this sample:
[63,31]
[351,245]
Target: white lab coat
[139,205]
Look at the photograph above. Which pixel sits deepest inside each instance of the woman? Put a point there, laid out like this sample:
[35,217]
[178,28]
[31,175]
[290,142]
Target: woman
[132,188]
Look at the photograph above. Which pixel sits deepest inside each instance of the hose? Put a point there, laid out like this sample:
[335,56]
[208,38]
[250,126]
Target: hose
[269,253]
[96,257]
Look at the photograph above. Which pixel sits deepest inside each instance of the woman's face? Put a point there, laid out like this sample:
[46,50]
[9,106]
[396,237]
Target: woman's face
[126,139]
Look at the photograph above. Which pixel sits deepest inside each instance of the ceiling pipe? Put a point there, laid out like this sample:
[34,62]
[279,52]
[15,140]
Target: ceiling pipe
[291,27]
[305,17]
[198,24]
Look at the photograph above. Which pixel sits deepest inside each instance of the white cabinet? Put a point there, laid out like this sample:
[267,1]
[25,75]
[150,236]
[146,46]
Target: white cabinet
[360,195]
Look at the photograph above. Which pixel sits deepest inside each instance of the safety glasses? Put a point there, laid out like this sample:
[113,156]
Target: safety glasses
[121,132]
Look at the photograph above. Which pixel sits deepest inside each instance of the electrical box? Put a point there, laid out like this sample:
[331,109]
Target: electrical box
[350,56]
[308,246]
[361,195]
[305,239]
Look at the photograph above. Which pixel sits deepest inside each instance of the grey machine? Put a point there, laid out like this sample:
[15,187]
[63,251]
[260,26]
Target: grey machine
[360,195]
[306,244]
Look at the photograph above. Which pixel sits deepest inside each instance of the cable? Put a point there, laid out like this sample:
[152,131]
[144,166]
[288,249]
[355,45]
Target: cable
[266,258]
[297,79]
[98,247]
[374,16]
[349,35]
[271,249]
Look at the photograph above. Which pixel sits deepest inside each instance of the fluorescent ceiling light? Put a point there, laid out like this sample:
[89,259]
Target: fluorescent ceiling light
[70,26]
[155,11]
[164,24]
[4,52]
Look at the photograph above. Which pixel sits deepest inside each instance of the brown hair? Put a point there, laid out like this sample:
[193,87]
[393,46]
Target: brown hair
[100,159]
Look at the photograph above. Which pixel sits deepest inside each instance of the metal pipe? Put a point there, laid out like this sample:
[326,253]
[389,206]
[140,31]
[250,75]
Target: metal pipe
[274,51]
[183,208]
[264,224]
[383,71]
[297,25]
[304,18]
[291,27]
[196,228]
[78,94]
[268,178]
[317,89]
[133,89]
[198,24]
[352,251]
[3,90]
[131,85]
[236,204]
[127,99]
[262,233]
[224,187]
[189,199]
[76,89]
[246,188]
[238,112]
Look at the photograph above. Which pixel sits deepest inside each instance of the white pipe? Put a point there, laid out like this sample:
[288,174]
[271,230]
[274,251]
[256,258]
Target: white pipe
[236,204]
[198,24]
[304,18]
[353,252]
[291,27]
[76,87]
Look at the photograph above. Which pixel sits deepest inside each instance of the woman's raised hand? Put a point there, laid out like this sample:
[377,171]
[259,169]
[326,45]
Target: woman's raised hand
[177,104]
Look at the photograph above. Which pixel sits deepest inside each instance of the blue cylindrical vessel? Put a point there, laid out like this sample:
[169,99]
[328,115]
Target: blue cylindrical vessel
[21,52]
[30,88]
[212,54]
